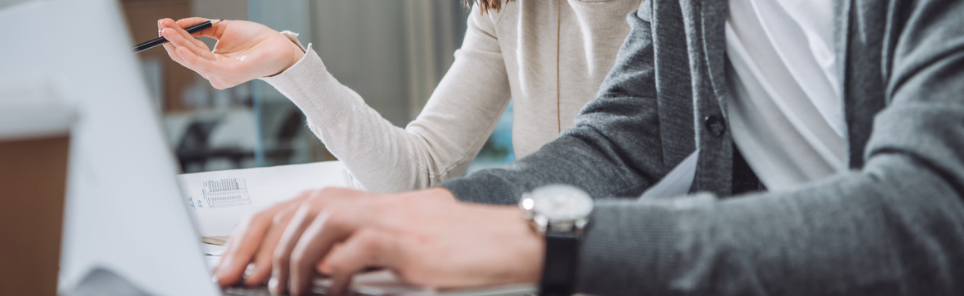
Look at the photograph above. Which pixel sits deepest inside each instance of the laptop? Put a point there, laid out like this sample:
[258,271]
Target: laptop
[124,210]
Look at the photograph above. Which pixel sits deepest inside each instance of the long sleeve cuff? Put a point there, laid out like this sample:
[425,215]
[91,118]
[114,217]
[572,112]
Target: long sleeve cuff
[482,188]
[308,84]
[629,246]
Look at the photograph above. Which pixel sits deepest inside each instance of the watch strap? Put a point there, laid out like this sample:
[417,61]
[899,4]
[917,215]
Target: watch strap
[559,269]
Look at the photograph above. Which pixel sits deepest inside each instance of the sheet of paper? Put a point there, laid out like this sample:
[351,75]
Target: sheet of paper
[220,200]
[211,261]
[212,250]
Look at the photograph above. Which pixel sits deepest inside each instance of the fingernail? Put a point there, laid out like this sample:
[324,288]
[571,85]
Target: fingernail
[214,279]
[273,286]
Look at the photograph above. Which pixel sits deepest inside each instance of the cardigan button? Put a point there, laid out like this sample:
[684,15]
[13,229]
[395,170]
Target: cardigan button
[715,125]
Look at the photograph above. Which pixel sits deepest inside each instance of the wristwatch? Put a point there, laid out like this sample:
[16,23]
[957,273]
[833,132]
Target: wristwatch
[560,213]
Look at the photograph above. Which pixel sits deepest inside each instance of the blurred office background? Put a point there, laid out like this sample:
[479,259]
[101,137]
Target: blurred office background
[393,53]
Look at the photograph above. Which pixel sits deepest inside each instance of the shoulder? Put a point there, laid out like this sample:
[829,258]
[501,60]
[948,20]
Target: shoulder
[491,19]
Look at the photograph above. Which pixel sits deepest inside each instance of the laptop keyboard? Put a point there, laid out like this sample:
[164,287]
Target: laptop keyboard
[257,291]
[238,291]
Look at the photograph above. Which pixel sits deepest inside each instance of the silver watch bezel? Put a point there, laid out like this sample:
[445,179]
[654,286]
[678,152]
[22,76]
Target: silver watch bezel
[542,223]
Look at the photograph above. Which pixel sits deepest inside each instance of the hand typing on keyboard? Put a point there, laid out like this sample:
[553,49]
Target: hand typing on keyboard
[426,237]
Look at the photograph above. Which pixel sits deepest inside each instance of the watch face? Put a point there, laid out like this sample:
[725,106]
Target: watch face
[561,203]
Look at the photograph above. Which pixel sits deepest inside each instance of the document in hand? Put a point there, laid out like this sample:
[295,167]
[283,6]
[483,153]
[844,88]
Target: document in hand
[220,200]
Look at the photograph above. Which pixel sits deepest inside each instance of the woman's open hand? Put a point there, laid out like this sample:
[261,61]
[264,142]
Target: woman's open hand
[245,50]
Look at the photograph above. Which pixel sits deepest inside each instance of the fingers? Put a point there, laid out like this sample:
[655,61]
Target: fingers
[262,261]
[188,51]
[178,39]
[185,56]
[168,47]
[317,240]
[363,249]
[222,73]
[291,249]
[190,21]
[282,254]
[249,238]
[170,24]
[309,237]
[241,249]
[215,31]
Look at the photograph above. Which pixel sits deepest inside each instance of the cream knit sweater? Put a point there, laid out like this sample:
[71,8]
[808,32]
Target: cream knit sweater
[549,56]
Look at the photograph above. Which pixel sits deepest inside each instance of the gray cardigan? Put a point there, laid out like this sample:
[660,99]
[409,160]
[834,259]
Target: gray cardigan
[892,225]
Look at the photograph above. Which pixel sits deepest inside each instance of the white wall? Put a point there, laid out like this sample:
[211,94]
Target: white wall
[393,53]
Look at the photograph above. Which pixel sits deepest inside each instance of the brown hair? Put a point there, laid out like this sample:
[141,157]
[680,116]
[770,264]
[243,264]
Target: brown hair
[486,5]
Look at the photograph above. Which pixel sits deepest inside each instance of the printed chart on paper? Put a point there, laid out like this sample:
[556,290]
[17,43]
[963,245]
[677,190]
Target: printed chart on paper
[219,200]
[226,193]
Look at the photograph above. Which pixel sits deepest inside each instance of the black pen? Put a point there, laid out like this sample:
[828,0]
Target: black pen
[160,40]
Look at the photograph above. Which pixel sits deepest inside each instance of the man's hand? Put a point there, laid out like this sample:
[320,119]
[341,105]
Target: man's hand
[245,50]
[426,237]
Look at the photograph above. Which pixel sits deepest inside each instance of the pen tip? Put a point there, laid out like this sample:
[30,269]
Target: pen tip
[215,22]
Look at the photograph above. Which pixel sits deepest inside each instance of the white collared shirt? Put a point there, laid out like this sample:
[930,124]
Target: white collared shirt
[785,108]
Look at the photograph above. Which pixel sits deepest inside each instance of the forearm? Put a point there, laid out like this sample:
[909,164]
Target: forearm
[438,145]
[350,129]
[896,224]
